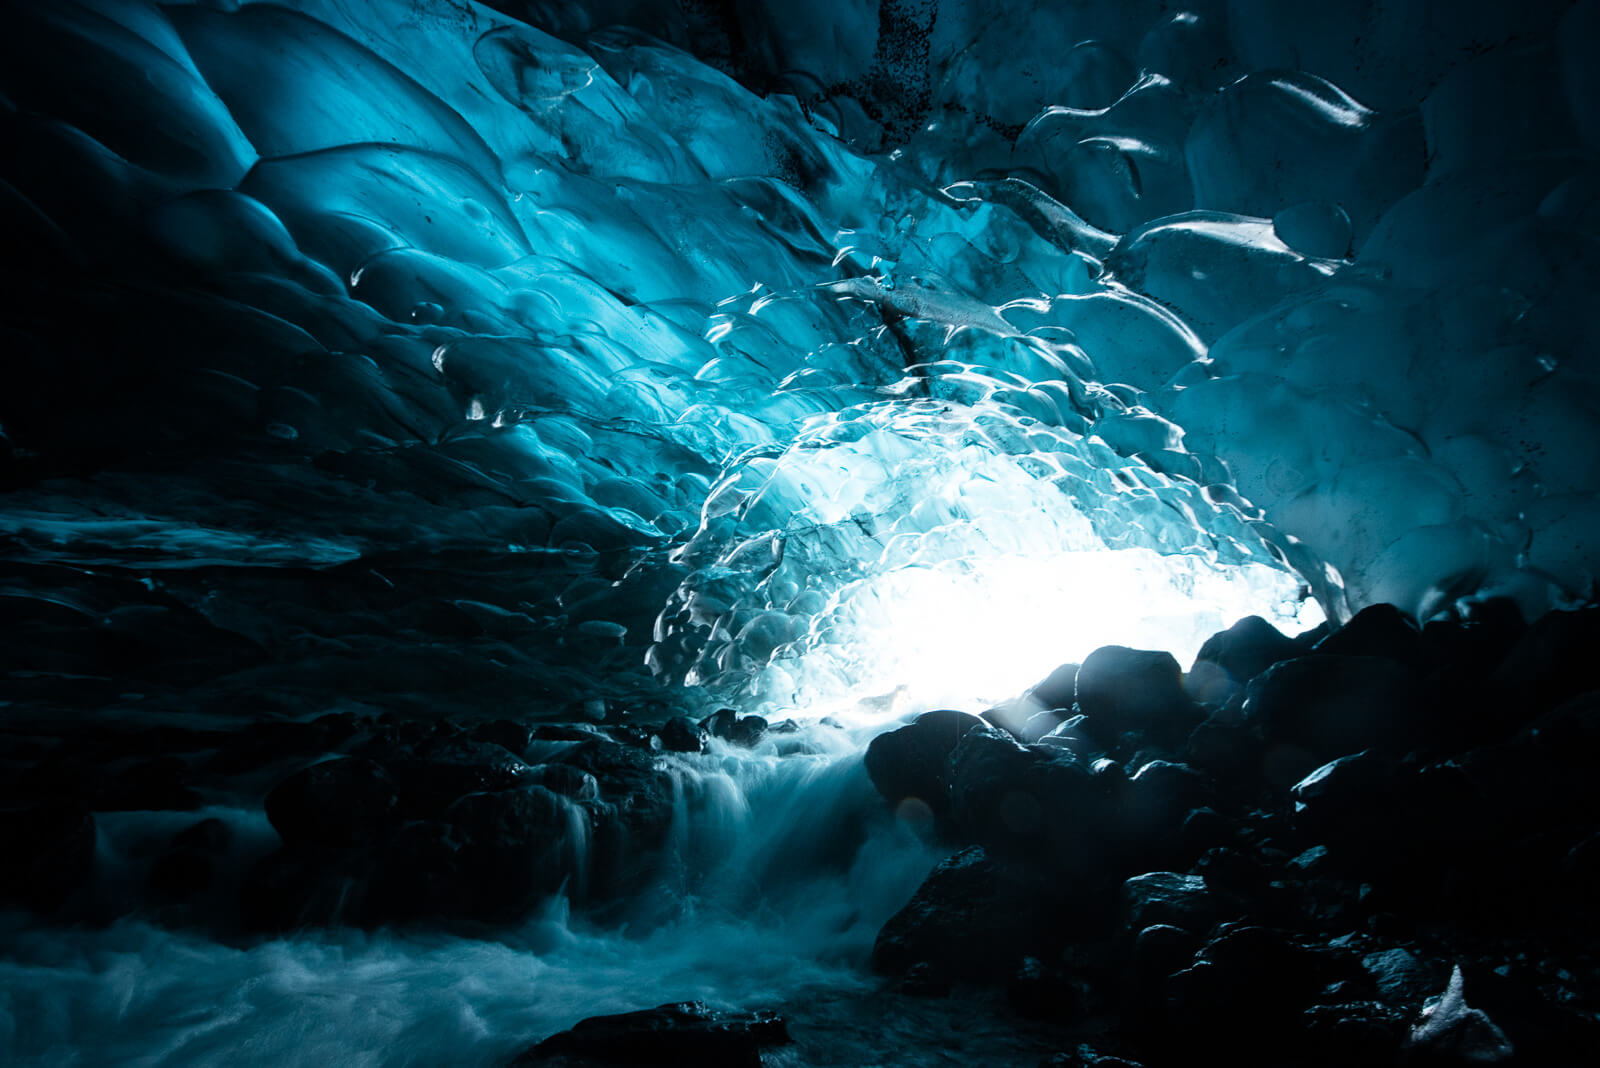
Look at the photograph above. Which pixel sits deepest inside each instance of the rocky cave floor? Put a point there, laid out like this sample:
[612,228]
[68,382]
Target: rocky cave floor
[1372,845]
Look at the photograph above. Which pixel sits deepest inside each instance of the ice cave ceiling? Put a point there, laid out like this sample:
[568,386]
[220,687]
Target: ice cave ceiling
[697,341]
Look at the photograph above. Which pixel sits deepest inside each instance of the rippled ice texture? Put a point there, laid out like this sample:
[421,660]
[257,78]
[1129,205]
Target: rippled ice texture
[324,282]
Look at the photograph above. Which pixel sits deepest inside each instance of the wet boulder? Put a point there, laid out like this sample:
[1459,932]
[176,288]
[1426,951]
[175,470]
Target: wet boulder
[1038,804]
[735,729]
[433,773]
[1057,690]
[1169,899]
[1316,708]
[1348,804]
[1377,630]
[913,762]
[683,1033]
[311,886]
[1551,662]
[1135,691]
[1147,814]
[343,802]
[631,816]
[518,847]
[680,734]
[966,921]
[1231,658]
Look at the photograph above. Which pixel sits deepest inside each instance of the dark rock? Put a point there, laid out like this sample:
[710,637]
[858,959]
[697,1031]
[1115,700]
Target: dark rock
[1133,690]
[512,736]
[1169,899]
[1058,689]
[1348,804]
[564,732]
[720,723]
[519,847]
[312,886]
[1159,951]
[432,774]
[267,742]
[566,780]
[1203,830]
[1552,662]
[680,734]
[1087,1056]
[1150,811]
[1316,708]
[914,761]
[632,816]
[1231,658]
[1356,1032]
[343,802]
[1036,803]
[46,852]
[747,731]
[1377,630]
[1402,977]
[1038,725]
[686,1033]
[1230,751]
[962,923]
[924,980]
[419,874]
[1075,735]
[1043,992]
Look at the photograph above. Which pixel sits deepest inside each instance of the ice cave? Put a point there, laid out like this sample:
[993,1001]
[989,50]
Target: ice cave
[867,534]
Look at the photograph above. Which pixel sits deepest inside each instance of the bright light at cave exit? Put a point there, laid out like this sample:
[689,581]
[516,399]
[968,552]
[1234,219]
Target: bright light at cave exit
[988,578]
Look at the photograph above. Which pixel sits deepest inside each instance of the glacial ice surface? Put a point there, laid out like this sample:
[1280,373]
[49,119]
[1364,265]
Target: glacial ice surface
[773,333]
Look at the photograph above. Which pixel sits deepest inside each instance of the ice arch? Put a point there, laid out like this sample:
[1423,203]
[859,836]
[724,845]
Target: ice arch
[616,287]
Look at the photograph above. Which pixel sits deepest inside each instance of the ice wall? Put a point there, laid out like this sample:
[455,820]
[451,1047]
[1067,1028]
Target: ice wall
[685,314]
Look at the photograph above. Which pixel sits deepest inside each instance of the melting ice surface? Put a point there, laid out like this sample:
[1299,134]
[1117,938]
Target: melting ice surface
[392,337]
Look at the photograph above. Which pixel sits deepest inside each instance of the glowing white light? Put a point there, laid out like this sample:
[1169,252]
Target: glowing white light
[972,633]
[975,578]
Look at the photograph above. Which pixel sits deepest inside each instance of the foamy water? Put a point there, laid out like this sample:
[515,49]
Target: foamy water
[778,876]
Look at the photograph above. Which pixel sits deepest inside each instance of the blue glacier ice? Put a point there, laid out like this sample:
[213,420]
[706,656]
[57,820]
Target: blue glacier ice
[842,359]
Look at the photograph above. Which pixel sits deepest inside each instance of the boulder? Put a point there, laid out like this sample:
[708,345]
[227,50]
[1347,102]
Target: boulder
[914,761]
[343,802]
[432,774]
[1348,804]
[1231,658]
[1170,899]
[1127,691]
[1316,708]
[680,734]
[965,921]
[1377,630]
[1551,662]
[686,1033]
[518,847]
